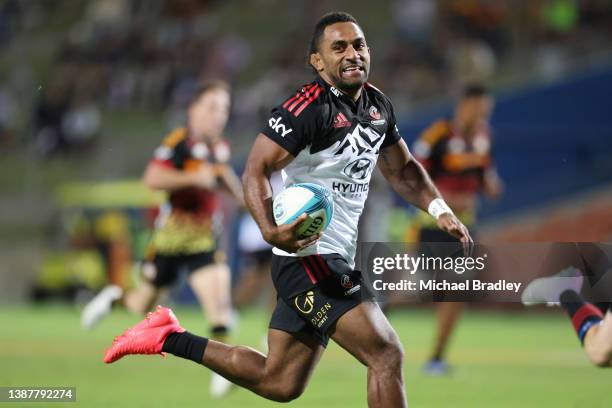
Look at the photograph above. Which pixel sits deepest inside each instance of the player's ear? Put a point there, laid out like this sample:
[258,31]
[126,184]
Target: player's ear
[316,61]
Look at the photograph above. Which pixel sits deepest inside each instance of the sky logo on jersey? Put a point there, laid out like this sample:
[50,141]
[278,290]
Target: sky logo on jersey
[278,127]
[341,121]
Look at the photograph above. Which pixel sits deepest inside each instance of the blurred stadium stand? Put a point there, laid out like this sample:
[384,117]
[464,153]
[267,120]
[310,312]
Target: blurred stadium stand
[551,141]
[88,88]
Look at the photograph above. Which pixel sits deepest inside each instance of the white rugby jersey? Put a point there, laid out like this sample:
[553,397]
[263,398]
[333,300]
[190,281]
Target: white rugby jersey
[335,142]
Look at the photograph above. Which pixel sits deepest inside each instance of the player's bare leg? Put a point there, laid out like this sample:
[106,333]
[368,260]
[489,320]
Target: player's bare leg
[254,282]
[281,376]
[598,342]
[247,288]
[448,314]
[138,300]
[251,285]
[141,299]
[594,329]
[211,285]
[365,332]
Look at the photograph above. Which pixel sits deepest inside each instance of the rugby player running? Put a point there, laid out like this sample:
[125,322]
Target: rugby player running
[331,132]
[592,321]
[192,166]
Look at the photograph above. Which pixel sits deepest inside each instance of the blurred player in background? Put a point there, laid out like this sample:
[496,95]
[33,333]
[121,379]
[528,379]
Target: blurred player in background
[591,321]
[457,154]
[191,164]
[256,255]
[257,258]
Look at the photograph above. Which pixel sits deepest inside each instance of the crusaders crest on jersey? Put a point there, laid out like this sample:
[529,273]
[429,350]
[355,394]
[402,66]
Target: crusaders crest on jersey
[374,113]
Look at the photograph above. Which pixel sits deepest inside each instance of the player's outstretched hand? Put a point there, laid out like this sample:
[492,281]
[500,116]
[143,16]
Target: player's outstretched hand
[285,236]
[449,223]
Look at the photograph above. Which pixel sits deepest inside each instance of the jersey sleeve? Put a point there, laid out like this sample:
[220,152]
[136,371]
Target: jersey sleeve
[392,136]
[170,152]
[294,123]
[221,152]
[425,148]
[490,164]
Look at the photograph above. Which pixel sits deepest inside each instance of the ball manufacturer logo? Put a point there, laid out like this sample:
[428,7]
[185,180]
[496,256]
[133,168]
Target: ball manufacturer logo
[278,127]
[312,227]
[305,302]
[358,169]
[279,210]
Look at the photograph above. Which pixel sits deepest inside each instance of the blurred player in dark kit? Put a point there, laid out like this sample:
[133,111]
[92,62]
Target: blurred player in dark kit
[457,154]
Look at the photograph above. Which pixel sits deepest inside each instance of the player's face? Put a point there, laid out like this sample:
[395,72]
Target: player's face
[477,109]
[483,108]
[344,57]
[208,115]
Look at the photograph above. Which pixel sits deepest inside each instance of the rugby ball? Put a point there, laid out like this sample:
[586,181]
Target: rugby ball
[309,198]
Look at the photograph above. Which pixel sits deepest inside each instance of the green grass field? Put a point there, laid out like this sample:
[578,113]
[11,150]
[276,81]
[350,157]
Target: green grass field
[506,360]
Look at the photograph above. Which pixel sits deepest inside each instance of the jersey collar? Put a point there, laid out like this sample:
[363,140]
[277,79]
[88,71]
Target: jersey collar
[342,96]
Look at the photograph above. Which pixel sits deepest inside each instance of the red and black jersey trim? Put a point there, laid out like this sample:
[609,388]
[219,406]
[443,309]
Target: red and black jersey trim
[315,267]
[302,99]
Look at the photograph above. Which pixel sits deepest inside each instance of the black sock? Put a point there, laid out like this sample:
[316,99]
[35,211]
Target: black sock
[185,345]
[584,315]
[219,333]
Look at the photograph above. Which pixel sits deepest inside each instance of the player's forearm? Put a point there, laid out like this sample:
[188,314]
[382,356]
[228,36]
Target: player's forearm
[162,178]
[493,186]
[414,185]
[258,196]
[231,182]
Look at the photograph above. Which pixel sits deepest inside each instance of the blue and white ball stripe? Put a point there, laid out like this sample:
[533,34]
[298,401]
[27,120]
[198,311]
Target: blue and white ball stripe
[309,198]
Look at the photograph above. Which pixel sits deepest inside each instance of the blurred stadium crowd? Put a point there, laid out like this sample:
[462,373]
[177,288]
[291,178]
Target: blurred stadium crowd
[114,55]
[79,79]
[88,89]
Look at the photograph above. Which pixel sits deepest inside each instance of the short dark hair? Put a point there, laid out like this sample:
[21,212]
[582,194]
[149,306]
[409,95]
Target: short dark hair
[207,86]
[327,20]
[474,90]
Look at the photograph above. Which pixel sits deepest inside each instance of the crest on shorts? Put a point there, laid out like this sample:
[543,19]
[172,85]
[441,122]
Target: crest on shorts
[346,282]
[305,302]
